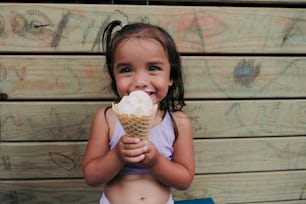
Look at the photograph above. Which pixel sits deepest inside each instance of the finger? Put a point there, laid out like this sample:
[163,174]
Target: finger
[141,144]
[130,140]
[136,159]
[135,152]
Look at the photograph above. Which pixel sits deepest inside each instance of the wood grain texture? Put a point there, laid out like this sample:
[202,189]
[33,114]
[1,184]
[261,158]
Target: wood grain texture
[62,27]
[250,154]
[173,2]
[41,160]
[64,159]
[45,121]
[48,192]
[222,1]
[248,187]
[224,188]
[281,202]
[244,71]
[247,118]
[45,77]
[84,77]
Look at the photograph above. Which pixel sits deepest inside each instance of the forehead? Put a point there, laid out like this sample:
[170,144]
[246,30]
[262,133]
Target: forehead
[139,41]
[136,44]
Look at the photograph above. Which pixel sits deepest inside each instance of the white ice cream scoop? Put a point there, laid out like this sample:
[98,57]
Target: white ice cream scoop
[136,103]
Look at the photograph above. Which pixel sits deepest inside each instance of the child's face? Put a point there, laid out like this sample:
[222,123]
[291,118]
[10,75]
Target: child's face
[142,64]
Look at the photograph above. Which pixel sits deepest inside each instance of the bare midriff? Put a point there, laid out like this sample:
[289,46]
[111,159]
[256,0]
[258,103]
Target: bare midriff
[136,189]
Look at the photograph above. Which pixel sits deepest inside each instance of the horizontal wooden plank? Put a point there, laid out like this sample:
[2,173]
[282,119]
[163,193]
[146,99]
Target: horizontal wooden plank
[224,1]
[83,77]
[279,202]
[63,159]
[46,77]
[43,121]
[249,187]
[41,160]
[221,1]
[171,2]
[246,155]
[244,77]
[241,188]
[40,121]
[73,27]
[48,192]
[213,119]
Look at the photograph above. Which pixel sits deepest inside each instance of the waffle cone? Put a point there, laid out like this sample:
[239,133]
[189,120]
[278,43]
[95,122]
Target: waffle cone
[136,126]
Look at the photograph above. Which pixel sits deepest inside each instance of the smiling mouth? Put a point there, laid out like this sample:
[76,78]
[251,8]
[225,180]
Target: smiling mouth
[150,93]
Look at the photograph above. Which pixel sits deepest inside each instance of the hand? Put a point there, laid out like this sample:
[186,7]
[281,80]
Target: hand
[151,155]
[130,149]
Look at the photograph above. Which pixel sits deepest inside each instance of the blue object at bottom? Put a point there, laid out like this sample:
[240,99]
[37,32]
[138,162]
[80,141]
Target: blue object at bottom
[195,201]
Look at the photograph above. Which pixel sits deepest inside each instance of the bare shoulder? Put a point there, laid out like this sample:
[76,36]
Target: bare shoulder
[104,121]
[183,124]
[181,118]
[104,114]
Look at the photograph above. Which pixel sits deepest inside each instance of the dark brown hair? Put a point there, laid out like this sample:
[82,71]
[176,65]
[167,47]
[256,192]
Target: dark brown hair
[174,99]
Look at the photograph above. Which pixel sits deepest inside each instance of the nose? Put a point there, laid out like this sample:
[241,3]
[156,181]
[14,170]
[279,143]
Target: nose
[141,80]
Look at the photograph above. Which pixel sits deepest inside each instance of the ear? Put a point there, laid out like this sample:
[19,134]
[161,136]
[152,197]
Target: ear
[170,82]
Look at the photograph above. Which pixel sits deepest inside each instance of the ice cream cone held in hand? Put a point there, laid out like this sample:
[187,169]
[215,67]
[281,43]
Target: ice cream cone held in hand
[136,113]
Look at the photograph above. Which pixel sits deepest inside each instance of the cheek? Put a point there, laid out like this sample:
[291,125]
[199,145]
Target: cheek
[163,81]
[162,85]
[122,86]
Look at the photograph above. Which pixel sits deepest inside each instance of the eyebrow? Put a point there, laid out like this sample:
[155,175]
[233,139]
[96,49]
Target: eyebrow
[155,63]
[123,64]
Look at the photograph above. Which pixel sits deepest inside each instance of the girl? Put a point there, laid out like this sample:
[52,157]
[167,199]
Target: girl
[141,57]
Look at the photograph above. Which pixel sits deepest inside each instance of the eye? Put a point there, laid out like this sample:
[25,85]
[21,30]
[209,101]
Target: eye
[154,68]
[125,70]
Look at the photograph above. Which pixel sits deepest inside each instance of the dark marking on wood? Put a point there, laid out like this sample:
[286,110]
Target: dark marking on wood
[2,27]
[22,73]
[125,15]
[199,30]
[6,163]
[18,122]
[14,197]
[60,29]
[31,25]
[62,161]
[98,40]
[295,28]
[89,26]
[246,72]
[3,72]
[303,192]
[0,131]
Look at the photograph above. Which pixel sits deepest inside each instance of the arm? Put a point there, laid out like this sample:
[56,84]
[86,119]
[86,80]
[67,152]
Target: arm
[100,164]
[179,172]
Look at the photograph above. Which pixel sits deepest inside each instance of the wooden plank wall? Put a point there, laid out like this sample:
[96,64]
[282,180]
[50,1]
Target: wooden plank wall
[244,68]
